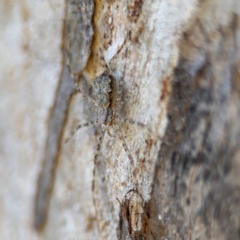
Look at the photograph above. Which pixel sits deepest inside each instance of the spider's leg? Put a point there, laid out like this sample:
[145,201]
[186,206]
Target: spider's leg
[130,121]
[81,126]
[90,100]
[99,145]
[100,140]
[120,135]
[139,124]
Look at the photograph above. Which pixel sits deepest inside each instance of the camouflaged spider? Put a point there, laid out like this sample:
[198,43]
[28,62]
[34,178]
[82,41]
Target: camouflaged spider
[107,99]
[107,94]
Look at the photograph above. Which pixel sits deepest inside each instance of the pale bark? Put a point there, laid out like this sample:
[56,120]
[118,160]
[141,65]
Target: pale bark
[180,65]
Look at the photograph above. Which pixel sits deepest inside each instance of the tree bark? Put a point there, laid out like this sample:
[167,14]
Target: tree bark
[162,161]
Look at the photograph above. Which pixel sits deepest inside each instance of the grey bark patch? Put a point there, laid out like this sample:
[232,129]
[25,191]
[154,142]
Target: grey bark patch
[197,173]
[78,33]
[77,37]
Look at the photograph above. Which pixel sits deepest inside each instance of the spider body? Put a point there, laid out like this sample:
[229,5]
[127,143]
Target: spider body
[103,90]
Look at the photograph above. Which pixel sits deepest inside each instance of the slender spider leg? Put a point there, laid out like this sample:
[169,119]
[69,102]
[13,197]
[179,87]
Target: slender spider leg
[78,90]
[133,122]
[120,135]
[81,126]
[139,124]
[100,139]
[130,121]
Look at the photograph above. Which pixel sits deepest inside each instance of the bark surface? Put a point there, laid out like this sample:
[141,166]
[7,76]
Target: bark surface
[167,165]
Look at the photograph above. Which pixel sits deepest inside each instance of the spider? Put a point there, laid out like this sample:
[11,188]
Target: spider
[107,99]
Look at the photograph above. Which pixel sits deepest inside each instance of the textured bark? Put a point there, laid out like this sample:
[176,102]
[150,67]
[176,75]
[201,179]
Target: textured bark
[175,178]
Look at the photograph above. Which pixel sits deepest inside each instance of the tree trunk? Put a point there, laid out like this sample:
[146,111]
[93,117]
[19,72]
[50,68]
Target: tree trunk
[158,157]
